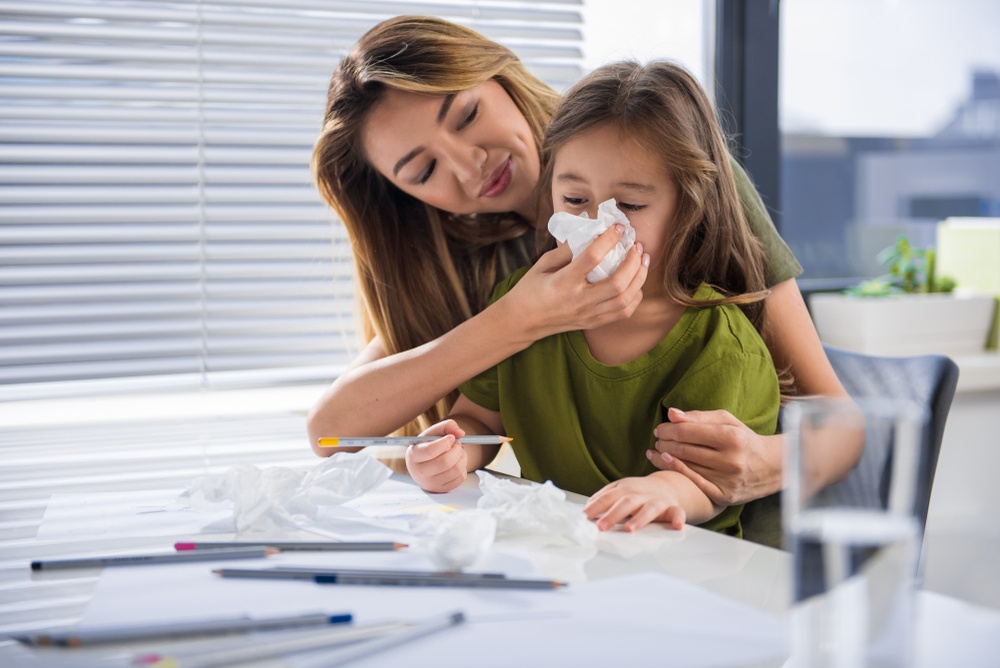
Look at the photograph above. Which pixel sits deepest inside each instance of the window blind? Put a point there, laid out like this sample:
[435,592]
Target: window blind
[158,223]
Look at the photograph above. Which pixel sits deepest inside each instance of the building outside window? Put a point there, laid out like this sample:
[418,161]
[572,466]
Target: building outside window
[890,122]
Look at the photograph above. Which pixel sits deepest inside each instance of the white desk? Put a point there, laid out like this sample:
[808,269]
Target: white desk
[741,571]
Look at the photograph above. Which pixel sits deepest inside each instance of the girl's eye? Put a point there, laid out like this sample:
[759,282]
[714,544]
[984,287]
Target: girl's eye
[625,206]
[468,119]
[427,174]
[575,201]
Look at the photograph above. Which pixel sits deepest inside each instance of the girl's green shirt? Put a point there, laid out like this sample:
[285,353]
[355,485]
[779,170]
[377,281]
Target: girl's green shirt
[583,424]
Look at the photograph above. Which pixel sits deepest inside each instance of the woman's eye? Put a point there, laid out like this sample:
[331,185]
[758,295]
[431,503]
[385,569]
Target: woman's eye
[574,201]
[471,117]
[625,206]
[427,174]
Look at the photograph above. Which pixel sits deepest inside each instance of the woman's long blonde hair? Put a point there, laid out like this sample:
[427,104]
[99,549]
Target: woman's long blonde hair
[662,108]
[420,271]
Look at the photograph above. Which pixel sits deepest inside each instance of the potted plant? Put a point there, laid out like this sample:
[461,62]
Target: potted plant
[907,311]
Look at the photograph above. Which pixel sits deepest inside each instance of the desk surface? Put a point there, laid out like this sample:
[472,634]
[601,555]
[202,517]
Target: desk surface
[738,570]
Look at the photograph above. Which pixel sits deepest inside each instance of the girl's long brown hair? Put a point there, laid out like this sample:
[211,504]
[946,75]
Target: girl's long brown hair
[662,108]
[420,271]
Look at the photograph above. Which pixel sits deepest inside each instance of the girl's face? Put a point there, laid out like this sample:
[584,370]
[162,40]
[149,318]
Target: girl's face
[472,152]
[599,164]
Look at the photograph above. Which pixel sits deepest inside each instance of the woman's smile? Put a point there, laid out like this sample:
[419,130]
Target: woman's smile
[498,181]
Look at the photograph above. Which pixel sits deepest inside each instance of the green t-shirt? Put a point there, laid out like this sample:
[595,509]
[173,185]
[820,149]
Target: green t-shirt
[583,424]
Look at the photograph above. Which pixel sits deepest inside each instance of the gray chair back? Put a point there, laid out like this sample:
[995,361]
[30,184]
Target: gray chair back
[929,382]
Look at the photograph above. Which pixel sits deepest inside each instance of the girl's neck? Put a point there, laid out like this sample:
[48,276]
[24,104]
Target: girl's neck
[625,340]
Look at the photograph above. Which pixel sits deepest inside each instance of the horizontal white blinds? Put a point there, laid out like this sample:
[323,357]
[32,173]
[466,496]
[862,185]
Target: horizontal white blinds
[158,222]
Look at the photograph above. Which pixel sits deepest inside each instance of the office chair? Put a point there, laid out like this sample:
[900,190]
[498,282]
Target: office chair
[928,381]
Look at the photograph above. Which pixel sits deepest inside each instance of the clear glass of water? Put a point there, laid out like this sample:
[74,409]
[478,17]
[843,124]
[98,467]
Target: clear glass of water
[855,543]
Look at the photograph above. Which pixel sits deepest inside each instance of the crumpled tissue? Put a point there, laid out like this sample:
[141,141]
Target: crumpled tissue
[456,540]
[538,511]
[508,510]
[279,497]
[578,232]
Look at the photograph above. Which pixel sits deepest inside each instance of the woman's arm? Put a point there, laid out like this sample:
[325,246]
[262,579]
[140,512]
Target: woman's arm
[378,394]
[725,458]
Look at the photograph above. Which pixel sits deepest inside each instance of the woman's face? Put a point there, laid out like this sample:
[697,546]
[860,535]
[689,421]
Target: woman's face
[472,152]
[599,164]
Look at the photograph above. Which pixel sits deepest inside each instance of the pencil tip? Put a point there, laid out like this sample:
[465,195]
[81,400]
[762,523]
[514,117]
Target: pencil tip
[399,546]
[271,551]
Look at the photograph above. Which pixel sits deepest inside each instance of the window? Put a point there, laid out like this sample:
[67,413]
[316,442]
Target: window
[158,223]
[890,122]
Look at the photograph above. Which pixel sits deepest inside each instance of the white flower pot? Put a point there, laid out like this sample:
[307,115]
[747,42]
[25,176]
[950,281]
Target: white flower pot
[905,324]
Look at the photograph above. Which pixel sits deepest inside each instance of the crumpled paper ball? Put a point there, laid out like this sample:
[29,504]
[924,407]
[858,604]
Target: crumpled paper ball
[454,541]
[538,511]
[506,509]
[279,497]
[578,232]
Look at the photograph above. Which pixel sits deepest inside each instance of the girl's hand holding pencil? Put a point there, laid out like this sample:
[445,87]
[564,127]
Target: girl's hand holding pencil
[441,464]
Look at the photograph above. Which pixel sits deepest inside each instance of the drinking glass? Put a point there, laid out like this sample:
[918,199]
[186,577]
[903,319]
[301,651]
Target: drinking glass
[855,543]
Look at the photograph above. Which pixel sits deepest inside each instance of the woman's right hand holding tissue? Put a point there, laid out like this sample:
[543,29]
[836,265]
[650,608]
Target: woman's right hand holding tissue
[442,465]
[555,296]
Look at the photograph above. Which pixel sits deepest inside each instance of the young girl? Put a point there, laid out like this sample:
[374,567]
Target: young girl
[581,405]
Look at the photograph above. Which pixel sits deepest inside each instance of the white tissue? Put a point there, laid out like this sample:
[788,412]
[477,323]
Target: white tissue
[580,231]
[538,511]
[539,514]
[279,497]
[457,540]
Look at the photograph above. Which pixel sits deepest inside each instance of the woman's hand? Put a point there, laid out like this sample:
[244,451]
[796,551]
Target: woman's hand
[441,465]
[728,461]
[636,502]
[554,296]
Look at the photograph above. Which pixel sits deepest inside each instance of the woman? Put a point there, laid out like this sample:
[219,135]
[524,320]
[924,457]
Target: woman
[429,154]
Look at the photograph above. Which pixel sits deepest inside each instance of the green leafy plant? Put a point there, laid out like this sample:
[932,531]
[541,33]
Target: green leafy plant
[910,270]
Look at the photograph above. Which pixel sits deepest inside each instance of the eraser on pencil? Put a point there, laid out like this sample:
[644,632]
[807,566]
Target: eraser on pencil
[180,547]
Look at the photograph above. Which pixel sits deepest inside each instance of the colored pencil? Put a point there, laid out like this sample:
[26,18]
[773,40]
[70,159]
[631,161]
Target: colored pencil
[297,546]
[296,573]
[387,641]
[424,581]
[256,649]
[179,630]
[363,442]
[164,558]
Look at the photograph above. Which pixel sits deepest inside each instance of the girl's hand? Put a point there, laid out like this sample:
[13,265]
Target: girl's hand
[728,461]
[441,465]
[554,296]
[636,502]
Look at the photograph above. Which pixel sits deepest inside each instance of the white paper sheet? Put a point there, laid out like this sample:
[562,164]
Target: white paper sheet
[636,620]
[382,514]
[123,514]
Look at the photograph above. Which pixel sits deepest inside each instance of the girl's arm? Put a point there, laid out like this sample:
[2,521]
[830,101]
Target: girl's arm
[726,459]
[378,394]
